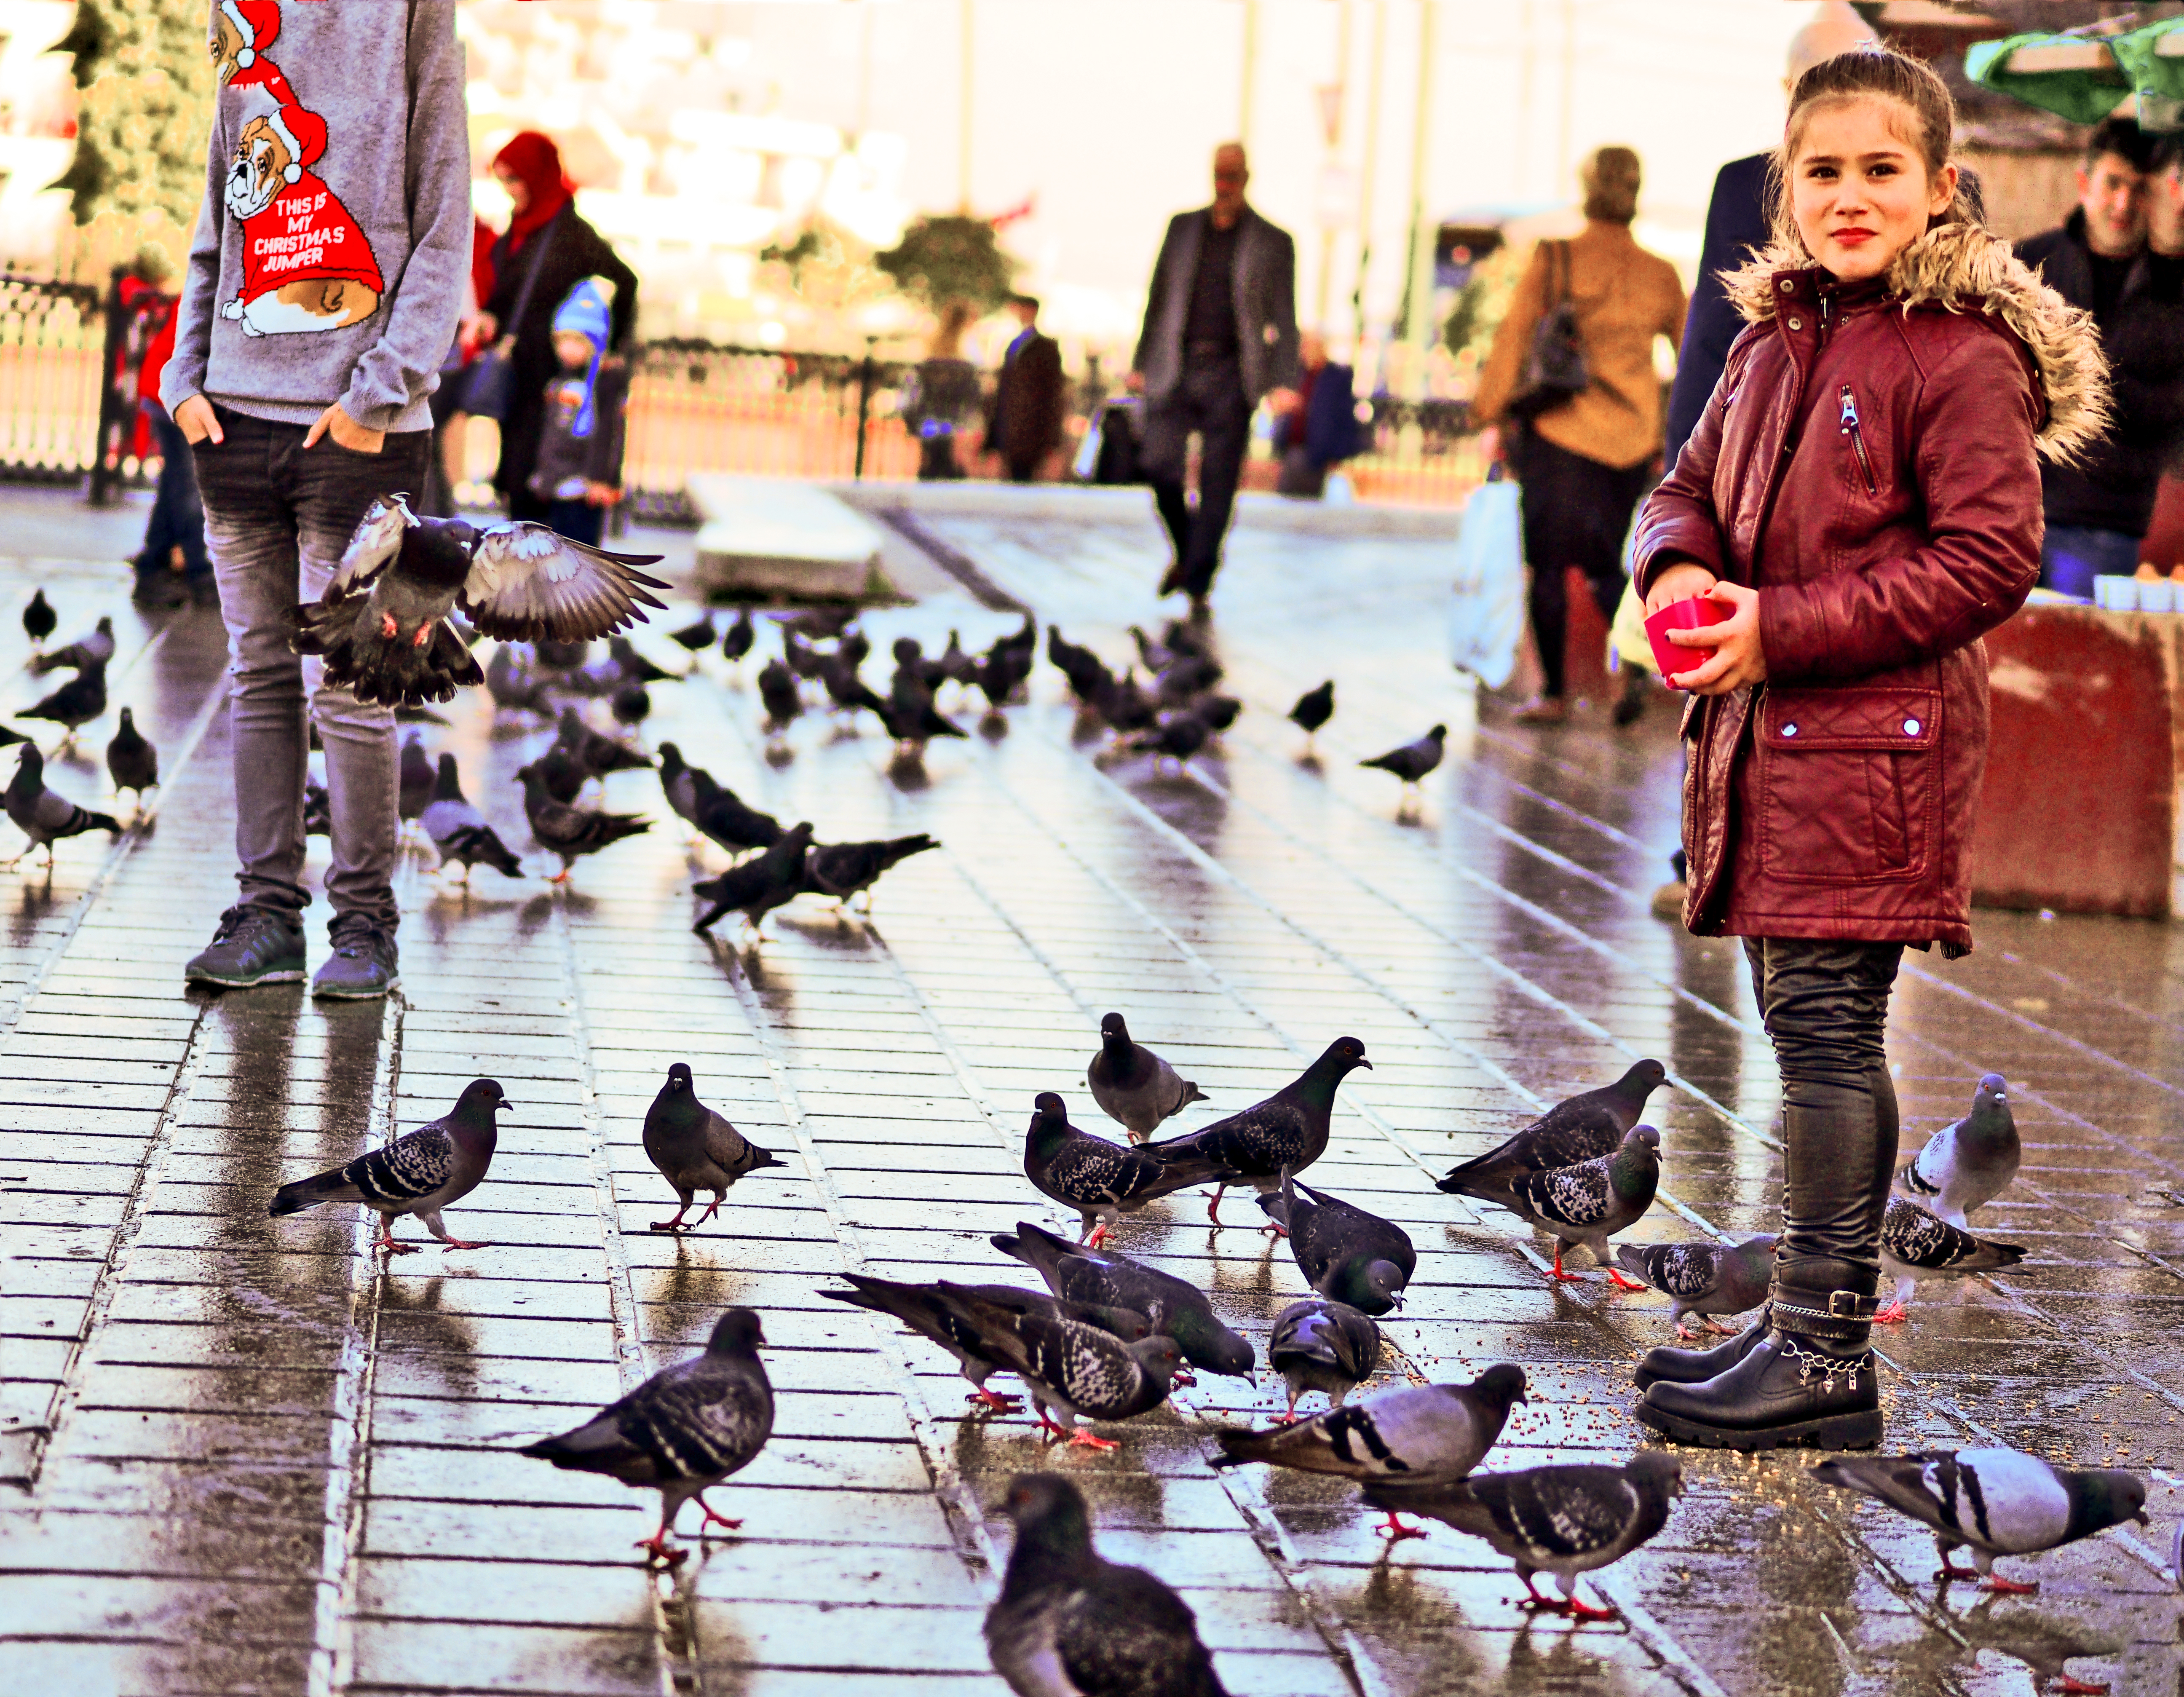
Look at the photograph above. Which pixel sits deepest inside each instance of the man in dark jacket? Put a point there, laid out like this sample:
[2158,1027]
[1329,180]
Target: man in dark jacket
[1322,432]
[1220,336]
[2098,510]
[1024,423]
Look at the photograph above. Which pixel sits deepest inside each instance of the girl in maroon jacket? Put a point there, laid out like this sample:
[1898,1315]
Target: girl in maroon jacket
[1861,500]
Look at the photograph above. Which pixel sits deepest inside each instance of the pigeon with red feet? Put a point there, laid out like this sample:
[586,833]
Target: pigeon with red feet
[1916,1245]
[1343,1251]
[1321,1346]
[1581,1127]
[1079,1273]
[1586,1203]
[695,1148]
[422,1172]
[1281,1136]
[1100,1180]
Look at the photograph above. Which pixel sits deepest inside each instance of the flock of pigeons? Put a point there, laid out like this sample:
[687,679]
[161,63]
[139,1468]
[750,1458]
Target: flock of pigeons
[44,816]
[1109,1336]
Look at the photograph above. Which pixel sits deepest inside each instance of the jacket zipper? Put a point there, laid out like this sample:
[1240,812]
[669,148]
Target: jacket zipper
[1856,437]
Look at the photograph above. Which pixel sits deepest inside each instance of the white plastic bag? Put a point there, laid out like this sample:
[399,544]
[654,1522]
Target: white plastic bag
[1486,614]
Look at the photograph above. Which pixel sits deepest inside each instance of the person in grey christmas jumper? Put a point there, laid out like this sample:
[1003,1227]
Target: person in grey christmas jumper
[322,291]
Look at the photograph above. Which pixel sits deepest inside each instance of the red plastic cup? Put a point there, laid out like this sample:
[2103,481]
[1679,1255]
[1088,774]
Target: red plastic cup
[1691,614]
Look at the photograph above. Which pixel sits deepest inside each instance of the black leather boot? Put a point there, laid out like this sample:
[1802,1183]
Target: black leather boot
[1696,1366]
[1810,1381]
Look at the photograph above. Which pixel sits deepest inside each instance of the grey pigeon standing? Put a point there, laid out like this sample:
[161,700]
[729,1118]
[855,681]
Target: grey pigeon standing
[1132,1086]
[1916,1245]
[571,832]
[736,641]
[759,886]
[422,1172]
[1100,1180]
[75,703]
[777,692]
[458,830]
[1070,1623]
[1104,1278]
[695,1148]
[1073,1370]
[1321,1346]
[1579,1128]
[1969,1163]
[683,1430]
[925,1311]
[1422,1434]
[416,777]
[1562,1520]
[1996,1501]
[94,650]
[43,816]
[845,871]
[1413,761]
[1704,1277]
[1342,1250]
[1586,1203]
[713,809]
[1313,708]
[1279,1137]
[382,622]
[131,762]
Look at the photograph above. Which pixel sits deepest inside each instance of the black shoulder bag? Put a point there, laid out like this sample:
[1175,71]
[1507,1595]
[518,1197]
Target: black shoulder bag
[490,391]
[1555,369]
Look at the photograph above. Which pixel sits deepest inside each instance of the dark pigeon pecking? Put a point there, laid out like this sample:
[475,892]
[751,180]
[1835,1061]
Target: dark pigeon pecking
[75,703]
[1343,1251]
[683,1430]
[595,754]
[695,1148]
[1424,1434]
[1703,1277]
[1579,1128]
[1104,1278]
[631,705]
[1001,675]
[1175,737]
[1916,1245]
[1969,1163]
[1133,1087]
[568,832]
[696,637]
[1413,761]
[632,666]
[759,885]
[1562,1520]
[1321,1345]
[820,624]
[382,623]
[1074,1371]
[1100,1180]
[460,831]
[39,618]
[44,816]
[422,1172]
[96,648]
[713,809]
[1313,708]
[1996,1501]
[736,641]
[845,871]
[414,777]
[849,691]
[131,762]
[1086,672]
[778,691]
[1070,1623]
[1281,1136]
[924,1310]
[1586,1203]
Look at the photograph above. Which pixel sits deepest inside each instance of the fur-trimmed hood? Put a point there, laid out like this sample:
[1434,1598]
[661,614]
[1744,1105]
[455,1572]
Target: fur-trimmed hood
[1963,267]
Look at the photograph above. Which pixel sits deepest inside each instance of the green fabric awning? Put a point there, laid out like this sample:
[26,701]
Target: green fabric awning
[2084,78]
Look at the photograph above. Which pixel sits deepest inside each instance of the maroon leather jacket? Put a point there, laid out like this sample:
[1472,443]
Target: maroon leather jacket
[1868,464]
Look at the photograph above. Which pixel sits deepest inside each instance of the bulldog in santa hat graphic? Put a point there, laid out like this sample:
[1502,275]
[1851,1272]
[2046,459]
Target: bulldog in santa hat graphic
[236,37]
[306,265]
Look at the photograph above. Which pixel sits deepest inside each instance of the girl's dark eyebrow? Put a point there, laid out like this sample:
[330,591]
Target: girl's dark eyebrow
[1837,158]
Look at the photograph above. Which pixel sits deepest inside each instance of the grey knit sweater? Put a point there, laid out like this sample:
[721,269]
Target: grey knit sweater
[335,241]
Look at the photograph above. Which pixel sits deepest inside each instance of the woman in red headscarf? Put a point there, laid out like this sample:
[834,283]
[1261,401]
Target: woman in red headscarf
[546,237]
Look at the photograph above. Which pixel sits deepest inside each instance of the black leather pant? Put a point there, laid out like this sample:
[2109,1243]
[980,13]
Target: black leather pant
[1825,1004]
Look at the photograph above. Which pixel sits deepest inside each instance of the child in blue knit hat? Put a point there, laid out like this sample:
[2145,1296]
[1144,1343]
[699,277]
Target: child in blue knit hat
[578,472]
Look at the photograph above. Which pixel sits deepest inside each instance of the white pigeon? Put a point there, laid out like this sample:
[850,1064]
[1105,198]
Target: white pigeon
[1996,1501]
[1967,1164]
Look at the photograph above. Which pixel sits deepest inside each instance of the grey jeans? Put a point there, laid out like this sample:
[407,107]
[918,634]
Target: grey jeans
[276,520]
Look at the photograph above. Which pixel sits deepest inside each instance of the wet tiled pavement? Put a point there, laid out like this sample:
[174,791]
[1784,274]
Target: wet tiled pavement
[244,1456]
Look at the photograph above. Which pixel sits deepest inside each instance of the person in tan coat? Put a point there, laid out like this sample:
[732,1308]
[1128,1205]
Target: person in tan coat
[1585,462]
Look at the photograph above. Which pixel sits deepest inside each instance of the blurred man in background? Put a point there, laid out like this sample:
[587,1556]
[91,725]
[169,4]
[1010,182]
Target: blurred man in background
[1220,336]
[1024,424]
[1321,432]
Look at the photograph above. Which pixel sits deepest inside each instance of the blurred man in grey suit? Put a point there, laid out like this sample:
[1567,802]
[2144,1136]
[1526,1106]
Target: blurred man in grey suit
[1220,336]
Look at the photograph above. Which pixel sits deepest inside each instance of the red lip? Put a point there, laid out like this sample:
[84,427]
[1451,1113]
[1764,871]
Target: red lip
[1851,238]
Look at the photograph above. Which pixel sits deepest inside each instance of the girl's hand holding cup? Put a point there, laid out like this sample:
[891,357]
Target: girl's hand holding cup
[1737,657]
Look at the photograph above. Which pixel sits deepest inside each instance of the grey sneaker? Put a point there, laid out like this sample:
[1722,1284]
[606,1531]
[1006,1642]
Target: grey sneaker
[253,945]
[365,964]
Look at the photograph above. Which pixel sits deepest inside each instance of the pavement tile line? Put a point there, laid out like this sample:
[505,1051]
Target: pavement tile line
[1302,1575]
[333,1642]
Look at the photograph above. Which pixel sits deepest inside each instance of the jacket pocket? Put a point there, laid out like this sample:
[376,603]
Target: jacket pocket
[1850,785]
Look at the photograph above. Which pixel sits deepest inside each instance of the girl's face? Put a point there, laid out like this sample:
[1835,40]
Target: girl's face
[572,350]
[1859,192]
[519,192]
